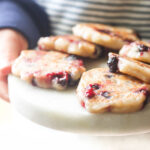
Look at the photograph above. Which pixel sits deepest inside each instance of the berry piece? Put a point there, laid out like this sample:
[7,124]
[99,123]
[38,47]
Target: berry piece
[33,82]
[95,86]
[108,75]
[105,94]
[90,93]
[61,77]
[113,64]
[83,104]
[90,90]
[62,81]
[144,91]
[142,48]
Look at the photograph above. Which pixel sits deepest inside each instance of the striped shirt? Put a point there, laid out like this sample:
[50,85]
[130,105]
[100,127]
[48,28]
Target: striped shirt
[64,14]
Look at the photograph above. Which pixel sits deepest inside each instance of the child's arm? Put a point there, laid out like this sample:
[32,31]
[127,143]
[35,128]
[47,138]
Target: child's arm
[22,22]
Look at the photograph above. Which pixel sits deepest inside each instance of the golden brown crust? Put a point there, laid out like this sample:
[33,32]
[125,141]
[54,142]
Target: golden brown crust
[47,69]
[132,67]
[116,92]
[70,44]
[107,36]
[138,50]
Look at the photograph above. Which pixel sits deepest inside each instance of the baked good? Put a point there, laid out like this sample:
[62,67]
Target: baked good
[48,69]
[70,44]
[138,50]
[110,37]
[123,64]
[102,91]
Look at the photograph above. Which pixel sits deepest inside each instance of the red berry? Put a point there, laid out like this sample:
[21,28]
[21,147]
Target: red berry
[83,104]
[90,90]
[90,93]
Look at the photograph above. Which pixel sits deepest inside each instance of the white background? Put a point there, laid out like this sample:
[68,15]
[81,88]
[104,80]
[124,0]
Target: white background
[18,133]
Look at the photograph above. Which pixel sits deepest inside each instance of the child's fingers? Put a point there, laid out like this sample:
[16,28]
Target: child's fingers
[4,88]
[11,44]
[5,69]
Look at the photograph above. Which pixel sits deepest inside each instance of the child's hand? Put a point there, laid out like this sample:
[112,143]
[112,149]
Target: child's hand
[11,44]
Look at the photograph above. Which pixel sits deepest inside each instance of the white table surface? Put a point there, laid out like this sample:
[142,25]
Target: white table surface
[22,134]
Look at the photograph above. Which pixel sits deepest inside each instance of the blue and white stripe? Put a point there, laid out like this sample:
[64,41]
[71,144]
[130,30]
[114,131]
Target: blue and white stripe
[64,14]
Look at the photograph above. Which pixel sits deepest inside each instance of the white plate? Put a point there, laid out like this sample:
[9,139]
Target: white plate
[61,110]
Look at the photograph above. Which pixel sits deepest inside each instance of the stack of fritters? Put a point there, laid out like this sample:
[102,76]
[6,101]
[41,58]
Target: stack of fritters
[56,65]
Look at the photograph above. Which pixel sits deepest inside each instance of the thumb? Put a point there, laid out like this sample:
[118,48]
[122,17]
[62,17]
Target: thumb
[4,89]
[5,68]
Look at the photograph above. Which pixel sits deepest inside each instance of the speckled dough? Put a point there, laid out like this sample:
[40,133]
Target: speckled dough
[111,92]
[138,50]
[104,35]
[48,69]
[70,44]
[131,67]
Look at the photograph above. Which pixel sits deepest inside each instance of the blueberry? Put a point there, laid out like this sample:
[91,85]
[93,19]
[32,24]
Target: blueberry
[113,64]
[105,94]
[142,48]
[95,86]
[90,90]
[108,75]
[144,91]
[61,77]
[62,81]
[33,82]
